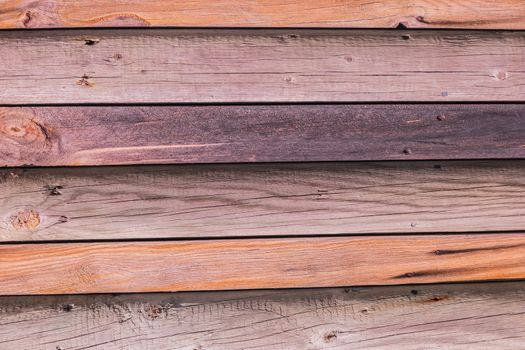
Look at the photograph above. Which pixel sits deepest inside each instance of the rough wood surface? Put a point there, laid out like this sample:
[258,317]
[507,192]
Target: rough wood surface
[467,316]
[274,65]
[486,14]
[260,200]
[69,268]
[52,136]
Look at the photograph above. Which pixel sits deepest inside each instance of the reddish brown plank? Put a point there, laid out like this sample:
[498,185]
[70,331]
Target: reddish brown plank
[486,14]
[52,136]
[258,263]
[143,66]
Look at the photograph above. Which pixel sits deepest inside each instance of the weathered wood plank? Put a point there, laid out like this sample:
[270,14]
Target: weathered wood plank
[70,268]
[52,136]
[260,200]
[473,316]
[486,14]
[206,66]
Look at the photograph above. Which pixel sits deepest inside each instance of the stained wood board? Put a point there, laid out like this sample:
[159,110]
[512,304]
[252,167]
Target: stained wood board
[486,14]
[265,65]
[112,135]
[458,316]
[260,200]
[65,268]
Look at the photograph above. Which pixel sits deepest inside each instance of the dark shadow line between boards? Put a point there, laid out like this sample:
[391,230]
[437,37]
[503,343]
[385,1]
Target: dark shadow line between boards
[348,290]
[262,103]
[264,237]
[400,27]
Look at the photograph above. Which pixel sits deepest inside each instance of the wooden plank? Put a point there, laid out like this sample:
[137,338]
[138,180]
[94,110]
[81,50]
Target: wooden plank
[474,316]
[260,200]
[51,136]
[486,14]
[274,65]
[66,268]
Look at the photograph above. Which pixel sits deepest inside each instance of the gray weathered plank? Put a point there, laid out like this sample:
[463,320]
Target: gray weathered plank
[110,135]
[277,65]
[464,316]
[260,200]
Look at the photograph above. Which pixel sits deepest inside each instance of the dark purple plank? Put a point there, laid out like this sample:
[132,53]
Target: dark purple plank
[51,136]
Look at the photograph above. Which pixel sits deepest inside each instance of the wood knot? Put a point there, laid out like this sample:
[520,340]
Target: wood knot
[91,41]
[53,190]
[84,81]
[27,219]
[153,311]
[22,136]
[23,129]
[330,337]
[28,16]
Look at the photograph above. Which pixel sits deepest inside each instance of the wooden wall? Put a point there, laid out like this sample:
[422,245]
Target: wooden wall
[265,174]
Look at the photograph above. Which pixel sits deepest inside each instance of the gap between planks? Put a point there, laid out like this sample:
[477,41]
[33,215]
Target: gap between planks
[473,14]
[71,268]
[116,135]
[260,66]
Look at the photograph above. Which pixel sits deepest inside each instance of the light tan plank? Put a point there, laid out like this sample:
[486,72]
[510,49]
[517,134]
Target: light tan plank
[64,268]
[206,66]
[467,316]
[260,200]
[486,14]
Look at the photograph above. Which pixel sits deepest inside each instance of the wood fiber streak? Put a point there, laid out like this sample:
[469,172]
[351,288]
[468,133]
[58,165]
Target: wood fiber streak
[260,200]
[68,268]
[267,65]
[65,136]
[474,316]
[480,14]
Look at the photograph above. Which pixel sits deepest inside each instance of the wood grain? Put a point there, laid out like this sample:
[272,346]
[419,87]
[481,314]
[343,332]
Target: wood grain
[277,65]
[67,268]
[260,200]
[54,136]
[486,14]
[460,316]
